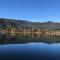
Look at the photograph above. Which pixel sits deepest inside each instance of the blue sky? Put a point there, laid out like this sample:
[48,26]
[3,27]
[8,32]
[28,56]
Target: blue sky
[32,10]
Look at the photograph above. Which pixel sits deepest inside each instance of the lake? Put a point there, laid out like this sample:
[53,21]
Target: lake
[30,47]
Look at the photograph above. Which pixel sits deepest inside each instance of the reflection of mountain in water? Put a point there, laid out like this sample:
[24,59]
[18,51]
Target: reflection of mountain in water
[21,38]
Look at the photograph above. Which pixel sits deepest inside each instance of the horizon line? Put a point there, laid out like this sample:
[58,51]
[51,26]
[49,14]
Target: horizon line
[29,20]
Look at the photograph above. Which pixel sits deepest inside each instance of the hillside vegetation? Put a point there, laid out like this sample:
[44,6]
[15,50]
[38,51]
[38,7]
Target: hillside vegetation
[12,23]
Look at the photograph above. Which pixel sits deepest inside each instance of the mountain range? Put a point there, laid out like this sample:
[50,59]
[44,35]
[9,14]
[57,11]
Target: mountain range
[10,23]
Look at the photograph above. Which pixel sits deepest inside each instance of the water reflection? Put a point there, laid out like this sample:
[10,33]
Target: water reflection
[30,51]
[26,38]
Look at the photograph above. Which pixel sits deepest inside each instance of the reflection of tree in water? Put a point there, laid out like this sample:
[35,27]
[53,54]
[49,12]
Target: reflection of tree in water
[26,38]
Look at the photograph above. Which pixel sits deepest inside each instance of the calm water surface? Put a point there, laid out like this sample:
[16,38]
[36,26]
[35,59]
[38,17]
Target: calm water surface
[30,51]
[29,47]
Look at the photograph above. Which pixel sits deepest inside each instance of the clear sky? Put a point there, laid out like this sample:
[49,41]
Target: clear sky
[32,10]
